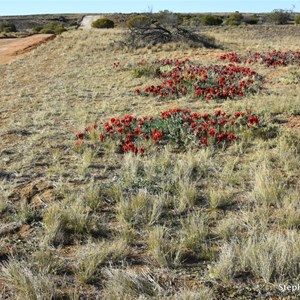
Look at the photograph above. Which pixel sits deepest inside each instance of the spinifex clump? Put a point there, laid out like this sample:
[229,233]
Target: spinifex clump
[270,59]
[178,126]
[218,82]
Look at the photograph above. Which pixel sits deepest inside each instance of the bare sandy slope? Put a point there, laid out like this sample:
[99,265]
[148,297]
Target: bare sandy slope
[87,21]
[11,48]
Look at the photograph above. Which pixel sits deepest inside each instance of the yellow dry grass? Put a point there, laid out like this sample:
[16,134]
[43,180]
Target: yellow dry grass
[70,82]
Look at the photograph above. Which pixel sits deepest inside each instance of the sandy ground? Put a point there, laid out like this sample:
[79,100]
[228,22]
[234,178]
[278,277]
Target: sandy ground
[87,21]
[13,47]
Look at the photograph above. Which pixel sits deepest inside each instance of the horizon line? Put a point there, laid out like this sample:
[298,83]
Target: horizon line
[128,13]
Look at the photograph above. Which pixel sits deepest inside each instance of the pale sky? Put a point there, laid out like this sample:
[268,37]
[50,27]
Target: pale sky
[14,7]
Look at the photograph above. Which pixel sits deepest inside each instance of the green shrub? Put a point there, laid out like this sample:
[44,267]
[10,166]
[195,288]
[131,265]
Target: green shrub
[251,20]
[46,31]
[103,23]
[297,19]
[234,19]
[279,16]
[7,27]
[37,29]
[209,20]
[139,22]
[51,28]
[191,21]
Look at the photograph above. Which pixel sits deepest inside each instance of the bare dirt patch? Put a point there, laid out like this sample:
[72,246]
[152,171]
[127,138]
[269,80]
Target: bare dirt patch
[12,48]
[293,122]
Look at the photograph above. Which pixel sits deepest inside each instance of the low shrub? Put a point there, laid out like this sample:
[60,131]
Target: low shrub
[297,19]
[37,29]
[7,27]
[210,20]
[139,22]
[51,28]
[191,21]
[251,20]
[234,19]
[103,23]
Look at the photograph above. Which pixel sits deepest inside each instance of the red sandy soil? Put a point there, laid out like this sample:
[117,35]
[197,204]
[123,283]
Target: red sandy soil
[11,48]
[293,122]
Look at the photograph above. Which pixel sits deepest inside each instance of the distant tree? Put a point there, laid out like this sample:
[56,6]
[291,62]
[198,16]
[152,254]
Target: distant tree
[234,19]
[167,18]
[279,16]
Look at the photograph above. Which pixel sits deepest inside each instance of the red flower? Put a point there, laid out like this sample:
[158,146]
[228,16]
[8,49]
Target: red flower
[212,132]
[79,135]
[121,130]
[137,131]
[204,141]
[101,137]
[253,120]
[231,136]
[222,136]
[129,138]
[157,135]
[196,115]
[222,122]
[218,112]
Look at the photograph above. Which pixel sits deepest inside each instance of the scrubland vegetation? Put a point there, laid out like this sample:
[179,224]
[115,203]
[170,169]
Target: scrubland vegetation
[112,189]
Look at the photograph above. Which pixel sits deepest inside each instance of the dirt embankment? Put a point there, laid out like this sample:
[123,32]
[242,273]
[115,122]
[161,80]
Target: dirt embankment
[12,48]
[87,21]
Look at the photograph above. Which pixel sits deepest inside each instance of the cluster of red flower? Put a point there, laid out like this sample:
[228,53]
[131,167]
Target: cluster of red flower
[205,82]
[173,125]
[270,59]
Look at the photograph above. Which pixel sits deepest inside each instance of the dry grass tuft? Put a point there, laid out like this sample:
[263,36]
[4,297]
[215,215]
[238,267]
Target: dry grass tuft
[27,284]
[128,284]
[92,255]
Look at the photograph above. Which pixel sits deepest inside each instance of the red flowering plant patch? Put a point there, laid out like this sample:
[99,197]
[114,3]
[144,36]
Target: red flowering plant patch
[270,59]
[219,82]
[178,126]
